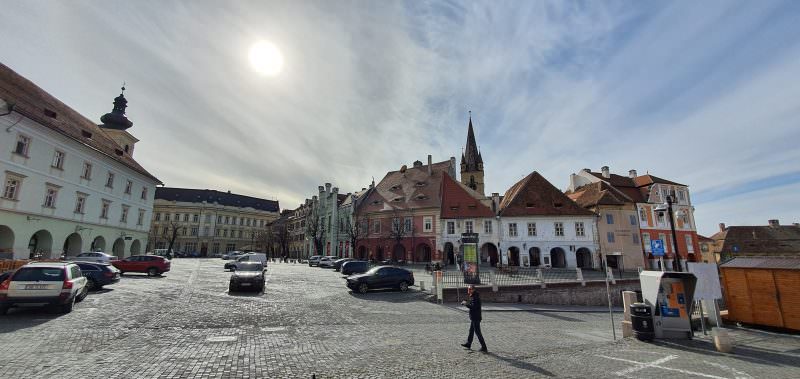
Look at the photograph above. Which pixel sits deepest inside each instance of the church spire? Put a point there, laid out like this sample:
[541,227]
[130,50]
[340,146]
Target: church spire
[471,159]
[116,119]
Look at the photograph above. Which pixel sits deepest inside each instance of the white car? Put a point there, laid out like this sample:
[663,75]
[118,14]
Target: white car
[58,284]
[327,261]
[98,257]
[249,257]
[314,260]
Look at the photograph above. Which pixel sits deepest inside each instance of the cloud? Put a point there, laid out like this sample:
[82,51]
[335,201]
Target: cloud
[703,94]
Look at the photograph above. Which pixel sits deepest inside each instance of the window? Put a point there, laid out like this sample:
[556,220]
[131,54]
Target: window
[660,218]
[643,215]
[215,248]
[663,238]
[247,222]
[376,226]
[144,193]
[262,223]
[646,242]
[166,216]
[104,209]
[427,224]
[487,227]
[468,226]
[50,193]
[87,171]
[205,231]
[12,186]
[512,229]
[158,216]
[110,180]
[240,234]
[219,219]
[218,232]
[80,203]
[689,244]
[704,248]
[531,228]
[177,217]
[685,219]
[23,142]
[636,238]
[241,221]
[208,219]
[451,227]
[408,224]
[140,219]
[395,224]
[124,216]
[559,226]
[233,220]
[227,220]
[610,236]
[609,218]
[633,219]
[185,217]
[194,230]
[230,247]
[225,232]
[165,230]
[196,218]
[58,160]
[681,195]
[579,230]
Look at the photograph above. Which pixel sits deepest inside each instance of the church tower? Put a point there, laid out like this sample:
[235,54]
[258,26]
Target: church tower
[472,162]
[115,124]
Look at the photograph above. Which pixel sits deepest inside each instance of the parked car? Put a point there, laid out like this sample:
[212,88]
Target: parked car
[232,255]
[151,264]
[314,260]
[249,257]
[98,274]
[248,275]
[97,256]
[51,283]
[337,264]
[5,275]
[355,267]
[381,277]
[161,252]
[327,261]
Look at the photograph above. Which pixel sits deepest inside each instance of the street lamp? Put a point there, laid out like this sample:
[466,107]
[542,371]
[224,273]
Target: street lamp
[667,206]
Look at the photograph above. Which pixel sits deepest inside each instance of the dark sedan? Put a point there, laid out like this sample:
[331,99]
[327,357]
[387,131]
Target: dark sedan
[249,275]
[337,264]
[355,267]
[381,277]
[98,274]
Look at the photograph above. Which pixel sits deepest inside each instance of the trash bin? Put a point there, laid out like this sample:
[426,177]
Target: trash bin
[642,321]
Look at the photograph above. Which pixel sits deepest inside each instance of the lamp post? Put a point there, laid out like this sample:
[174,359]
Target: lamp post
[667,206]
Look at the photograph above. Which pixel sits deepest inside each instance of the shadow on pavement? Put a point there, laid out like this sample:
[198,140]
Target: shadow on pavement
[521,364]
[557,317]
[390,295]
[141,276]
[23,317]
[750,354]
[242,293]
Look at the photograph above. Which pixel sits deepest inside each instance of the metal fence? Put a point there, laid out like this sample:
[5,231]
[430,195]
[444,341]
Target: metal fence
[529,276]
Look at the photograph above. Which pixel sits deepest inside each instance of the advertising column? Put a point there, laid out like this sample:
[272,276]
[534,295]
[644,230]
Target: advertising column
[469,241]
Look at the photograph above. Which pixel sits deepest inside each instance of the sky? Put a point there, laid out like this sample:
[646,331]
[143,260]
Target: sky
[702,93]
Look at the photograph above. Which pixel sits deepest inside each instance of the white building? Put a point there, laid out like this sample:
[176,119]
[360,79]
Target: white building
[541,226]
[68,185]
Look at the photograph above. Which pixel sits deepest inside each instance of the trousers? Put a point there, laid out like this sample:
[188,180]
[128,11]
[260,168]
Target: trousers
[475,329]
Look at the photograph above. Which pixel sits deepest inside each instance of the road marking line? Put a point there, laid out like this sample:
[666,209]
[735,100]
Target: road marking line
[737,374]
[655,364]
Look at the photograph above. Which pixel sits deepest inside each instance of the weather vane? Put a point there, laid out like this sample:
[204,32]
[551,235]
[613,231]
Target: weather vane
[123,87]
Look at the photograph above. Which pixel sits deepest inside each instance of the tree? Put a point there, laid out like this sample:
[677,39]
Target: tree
[173,230]
[399,231]
[356,231]
[315,230]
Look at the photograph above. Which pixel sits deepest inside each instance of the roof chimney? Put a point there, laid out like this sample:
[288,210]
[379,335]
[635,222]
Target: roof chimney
[632,174]
[327,187]
[774,223]
[796,224]
[721,226]
[586,170]
[336,190]
[430,165]
[606,173]
[321,189]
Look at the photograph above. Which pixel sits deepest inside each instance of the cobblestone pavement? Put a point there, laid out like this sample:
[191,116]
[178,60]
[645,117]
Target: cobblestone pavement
[186,325]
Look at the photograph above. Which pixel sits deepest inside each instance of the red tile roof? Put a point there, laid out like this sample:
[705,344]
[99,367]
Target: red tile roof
[760,240]
[460,201]
[535,196]
[598,193]
[411,188]
[32,102]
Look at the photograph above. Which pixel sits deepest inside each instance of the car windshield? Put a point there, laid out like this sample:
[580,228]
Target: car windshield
[36,274]
[251,268]
[373,270]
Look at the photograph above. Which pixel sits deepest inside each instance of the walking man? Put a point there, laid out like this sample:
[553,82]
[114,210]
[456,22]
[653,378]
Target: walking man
[474,305]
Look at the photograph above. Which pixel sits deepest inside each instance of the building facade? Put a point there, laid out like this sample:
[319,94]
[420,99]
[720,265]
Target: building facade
[772,239]
[210,222]
[464,210]
[69,185]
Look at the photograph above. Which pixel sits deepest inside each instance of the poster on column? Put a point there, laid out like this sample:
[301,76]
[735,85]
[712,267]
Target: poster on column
[471,264]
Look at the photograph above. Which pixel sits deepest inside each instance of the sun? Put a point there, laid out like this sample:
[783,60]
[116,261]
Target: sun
[265,58]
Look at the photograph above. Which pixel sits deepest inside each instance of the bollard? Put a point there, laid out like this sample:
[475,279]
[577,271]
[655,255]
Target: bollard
[722,340]
[628,298]
[422,285]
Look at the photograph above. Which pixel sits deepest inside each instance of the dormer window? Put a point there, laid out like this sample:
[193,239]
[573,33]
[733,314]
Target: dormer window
[50,113]
[529,205]
[558,205]
[395,187]
[86,134]
[397,199]
[421,197]
[419,184]
[453,208]
[376,202]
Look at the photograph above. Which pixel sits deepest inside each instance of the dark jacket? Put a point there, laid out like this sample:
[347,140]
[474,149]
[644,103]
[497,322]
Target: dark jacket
[474,305]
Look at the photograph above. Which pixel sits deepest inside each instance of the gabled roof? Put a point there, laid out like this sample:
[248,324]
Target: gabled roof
[411,188]
[598,193]
[772,240]
[460,201]
[646,180]
[704,239]
[189,195]
[32,102]
[535,196]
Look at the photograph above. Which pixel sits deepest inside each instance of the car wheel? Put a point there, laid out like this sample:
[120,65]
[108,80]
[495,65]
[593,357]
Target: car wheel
[152,271]
[91,284]
[363,288]
[67,308]
[121,272]
[83,294]
[3,311]
[231,289]
[403,286]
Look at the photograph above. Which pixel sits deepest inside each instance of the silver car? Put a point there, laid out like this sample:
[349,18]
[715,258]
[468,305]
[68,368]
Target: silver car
[314,260]
[327,262]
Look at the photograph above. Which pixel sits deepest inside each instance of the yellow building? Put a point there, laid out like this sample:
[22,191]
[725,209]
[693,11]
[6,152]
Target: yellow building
[210,222]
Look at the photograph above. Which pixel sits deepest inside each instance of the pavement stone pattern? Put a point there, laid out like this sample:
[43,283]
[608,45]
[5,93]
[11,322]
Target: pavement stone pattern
[186,325]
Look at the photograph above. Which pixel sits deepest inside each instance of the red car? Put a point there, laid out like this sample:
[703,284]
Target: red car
[151,264]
